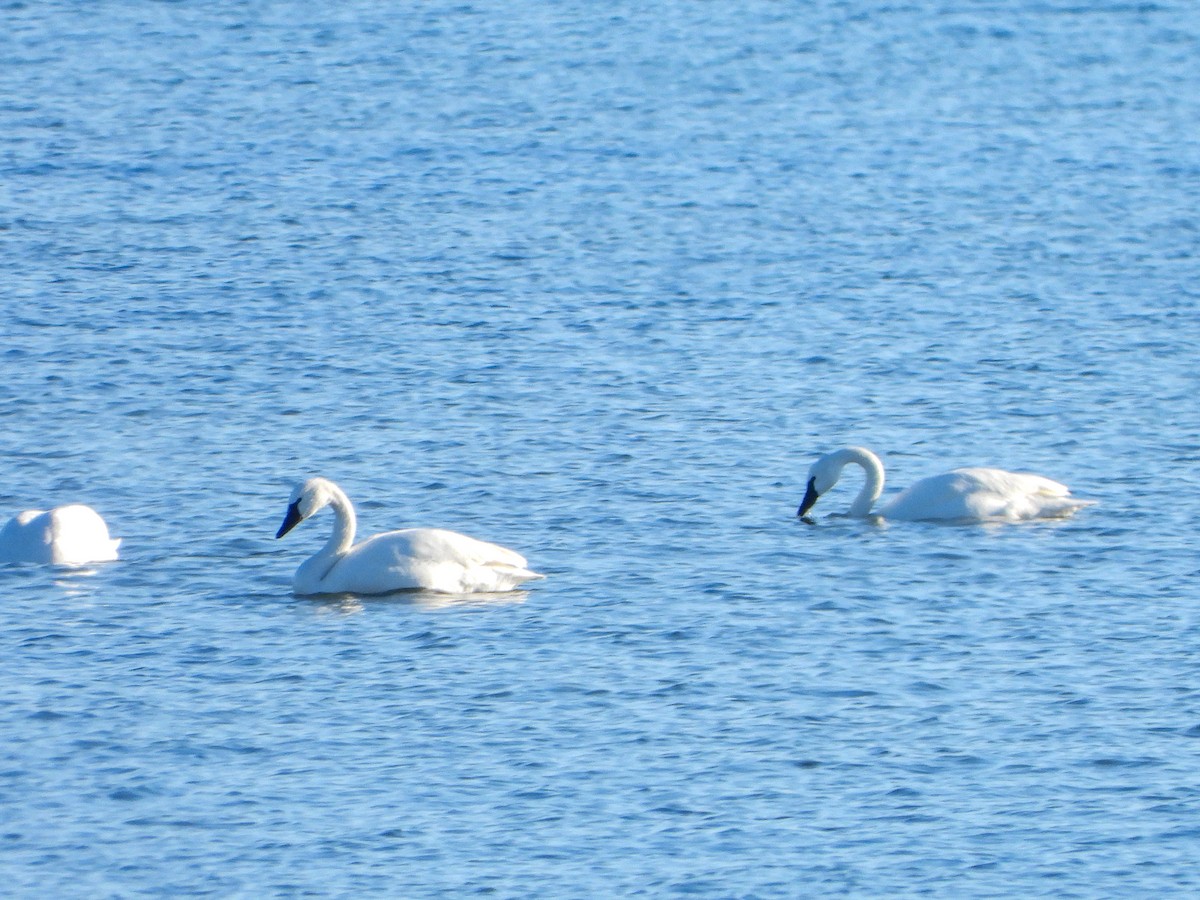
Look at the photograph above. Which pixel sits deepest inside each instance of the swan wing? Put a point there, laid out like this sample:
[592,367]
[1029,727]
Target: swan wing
[443,545]
[429,558]
[457,563]
[997,493]
[980,494]
[1007,483]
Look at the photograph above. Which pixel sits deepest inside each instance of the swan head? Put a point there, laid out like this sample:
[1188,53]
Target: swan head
[822,476]
[308,498]
[826,471]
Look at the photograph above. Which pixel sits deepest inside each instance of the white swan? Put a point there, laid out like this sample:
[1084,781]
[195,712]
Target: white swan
[72,535]
[974,495]
[428,558]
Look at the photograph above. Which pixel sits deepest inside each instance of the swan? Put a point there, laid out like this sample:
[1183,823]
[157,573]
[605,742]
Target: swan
[429,558]
[973,494]
[72,535]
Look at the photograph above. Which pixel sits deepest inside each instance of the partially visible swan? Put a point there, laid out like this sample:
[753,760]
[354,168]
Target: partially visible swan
[72,535]
[428,558]
[962,494]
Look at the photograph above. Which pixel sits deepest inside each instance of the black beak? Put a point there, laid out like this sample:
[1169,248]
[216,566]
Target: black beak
[291,520]
[810,497]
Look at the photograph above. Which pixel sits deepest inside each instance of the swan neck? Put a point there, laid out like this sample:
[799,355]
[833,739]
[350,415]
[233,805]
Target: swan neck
[344,524]
[873,486]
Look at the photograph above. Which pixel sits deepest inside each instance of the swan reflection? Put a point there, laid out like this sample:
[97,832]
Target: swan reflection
[352,604]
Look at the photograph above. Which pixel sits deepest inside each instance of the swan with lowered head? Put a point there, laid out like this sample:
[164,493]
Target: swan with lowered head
[412,558]
[966,495]
[73,535]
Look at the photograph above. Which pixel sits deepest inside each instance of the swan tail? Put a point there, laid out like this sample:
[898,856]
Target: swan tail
[517,572]
[508,576]
[1061,507]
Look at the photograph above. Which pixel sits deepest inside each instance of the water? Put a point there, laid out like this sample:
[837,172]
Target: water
[599,283]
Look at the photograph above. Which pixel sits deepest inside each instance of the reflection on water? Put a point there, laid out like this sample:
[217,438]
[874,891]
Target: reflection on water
[348,604]
[76,582]
[70,580]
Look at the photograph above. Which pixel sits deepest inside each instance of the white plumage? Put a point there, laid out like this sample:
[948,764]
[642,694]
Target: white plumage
[430,558]
[968,495]
[73,535]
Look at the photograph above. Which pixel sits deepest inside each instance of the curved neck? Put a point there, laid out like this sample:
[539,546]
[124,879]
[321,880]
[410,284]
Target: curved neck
[873,486]
[344,523]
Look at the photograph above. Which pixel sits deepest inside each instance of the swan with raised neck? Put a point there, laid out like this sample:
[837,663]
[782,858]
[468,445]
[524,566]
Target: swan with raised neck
[412,558]
[307,500]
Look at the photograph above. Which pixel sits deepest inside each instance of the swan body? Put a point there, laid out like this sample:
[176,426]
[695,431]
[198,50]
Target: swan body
[413,558]
[966,495]
[73,535]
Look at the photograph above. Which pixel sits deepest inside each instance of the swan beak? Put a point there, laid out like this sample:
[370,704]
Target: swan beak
[290,521]
[810,497]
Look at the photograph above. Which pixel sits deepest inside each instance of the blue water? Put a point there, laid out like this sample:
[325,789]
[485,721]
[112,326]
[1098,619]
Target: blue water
[599,282]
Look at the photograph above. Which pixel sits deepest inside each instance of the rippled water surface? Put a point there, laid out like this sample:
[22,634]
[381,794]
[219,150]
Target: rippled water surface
[599,282]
